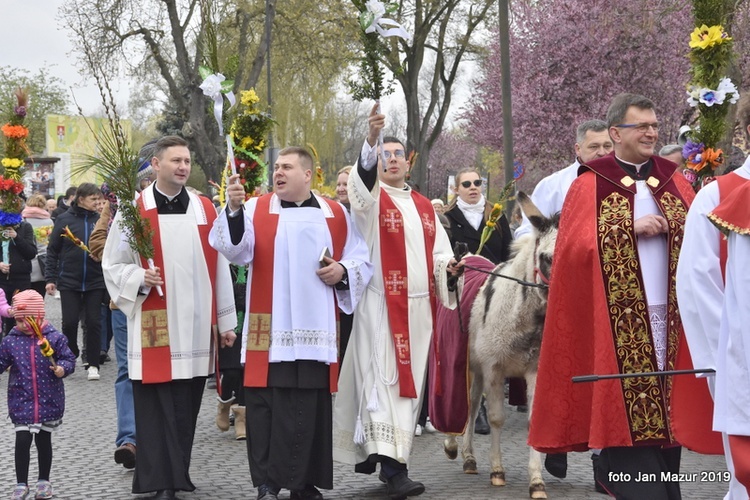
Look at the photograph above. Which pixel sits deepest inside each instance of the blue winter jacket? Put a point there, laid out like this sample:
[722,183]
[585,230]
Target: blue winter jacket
[35,394]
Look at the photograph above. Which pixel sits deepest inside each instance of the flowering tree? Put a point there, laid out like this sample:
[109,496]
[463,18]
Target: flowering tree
[569,58]
[451,152]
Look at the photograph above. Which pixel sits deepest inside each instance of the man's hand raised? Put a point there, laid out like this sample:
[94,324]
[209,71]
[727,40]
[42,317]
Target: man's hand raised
[235,193]
[376,122]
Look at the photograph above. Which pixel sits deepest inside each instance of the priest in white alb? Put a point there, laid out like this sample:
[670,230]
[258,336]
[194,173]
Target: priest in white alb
[383,374]
[171,311]
[306,260]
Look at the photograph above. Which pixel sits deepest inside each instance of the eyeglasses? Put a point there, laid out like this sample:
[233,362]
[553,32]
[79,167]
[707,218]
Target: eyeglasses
[476,182]
[399,153]
[640,127]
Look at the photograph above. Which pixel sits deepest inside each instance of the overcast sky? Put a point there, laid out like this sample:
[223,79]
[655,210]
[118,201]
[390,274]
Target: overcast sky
[42,42]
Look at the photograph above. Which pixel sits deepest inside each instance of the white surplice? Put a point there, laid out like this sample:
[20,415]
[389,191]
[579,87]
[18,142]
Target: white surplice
[700,286]
[732,403]
[303,315]
[189,291]
[369,376]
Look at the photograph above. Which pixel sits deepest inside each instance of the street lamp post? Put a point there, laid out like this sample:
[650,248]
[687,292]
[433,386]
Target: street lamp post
[271,151]
[507,108]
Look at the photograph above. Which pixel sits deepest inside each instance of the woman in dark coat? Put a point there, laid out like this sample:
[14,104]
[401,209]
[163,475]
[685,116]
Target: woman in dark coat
[15,271]
[468,215]
[79,278]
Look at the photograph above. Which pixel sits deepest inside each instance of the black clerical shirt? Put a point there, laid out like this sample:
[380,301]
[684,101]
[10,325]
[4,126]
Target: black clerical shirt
[178,204]
[641,175]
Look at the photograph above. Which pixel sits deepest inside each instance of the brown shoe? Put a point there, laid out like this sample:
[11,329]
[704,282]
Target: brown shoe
[125,455]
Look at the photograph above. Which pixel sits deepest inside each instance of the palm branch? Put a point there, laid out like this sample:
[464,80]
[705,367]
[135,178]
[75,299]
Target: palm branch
[116,162]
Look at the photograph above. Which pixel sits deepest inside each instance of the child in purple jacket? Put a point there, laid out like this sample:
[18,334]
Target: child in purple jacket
[36,396]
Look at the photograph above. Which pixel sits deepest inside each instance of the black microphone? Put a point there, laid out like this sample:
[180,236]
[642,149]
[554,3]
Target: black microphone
[460,249]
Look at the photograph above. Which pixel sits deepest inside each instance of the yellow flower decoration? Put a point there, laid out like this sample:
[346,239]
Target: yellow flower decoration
[12,162]
[246,142]
[249,97]
[705,37]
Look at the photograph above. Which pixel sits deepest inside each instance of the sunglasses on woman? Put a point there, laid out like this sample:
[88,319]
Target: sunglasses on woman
[476,182]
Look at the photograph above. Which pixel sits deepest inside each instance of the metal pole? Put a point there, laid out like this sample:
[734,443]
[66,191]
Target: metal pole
[507,108]
[271,155]
[596,378]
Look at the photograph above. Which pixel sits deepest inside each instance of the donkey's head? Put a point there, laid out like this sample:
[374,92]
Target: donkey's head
[545,232]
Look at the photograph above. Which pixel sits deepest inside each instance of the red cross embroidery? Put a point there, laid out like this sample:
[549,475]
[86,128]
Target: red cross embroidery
[395,282]
[402,346]
[392,221]
[258,332]
[154,329]
[429,224]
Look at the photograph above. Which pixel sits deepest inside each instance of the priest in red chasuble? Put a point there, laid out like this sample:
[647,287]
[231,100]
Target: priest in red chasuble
[613,309]
[383,373]
[306,261]
[171,310]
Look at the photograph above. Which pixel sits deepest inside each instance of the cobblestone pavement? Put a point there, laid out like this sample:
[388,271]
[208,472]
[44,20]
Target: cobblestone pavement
[83,465]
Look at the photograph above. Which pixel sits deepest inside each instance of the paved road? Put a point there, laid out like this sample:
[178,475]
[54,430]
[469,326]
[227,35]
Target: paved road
[83,467]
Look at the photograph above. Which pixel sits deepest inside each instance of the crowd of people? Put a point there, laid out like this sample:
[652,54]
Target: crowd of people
[300,297]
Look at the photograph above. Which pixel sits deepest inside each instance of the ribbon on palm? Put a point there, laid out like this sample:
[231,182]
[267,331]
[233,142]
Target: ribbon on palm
[374,24]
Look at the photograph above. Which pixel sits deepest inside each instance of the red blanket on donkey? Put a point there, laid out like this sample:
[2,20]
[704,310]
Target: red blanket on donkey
[449,356]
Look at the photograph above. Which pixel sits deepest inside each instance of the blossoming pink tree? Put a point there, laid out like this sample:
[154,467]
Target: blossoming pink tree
[568,59]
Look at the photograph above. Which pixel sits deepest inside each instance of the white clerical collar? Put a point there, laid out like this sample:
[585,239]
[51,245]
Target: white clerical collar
[636,166]
[168,197]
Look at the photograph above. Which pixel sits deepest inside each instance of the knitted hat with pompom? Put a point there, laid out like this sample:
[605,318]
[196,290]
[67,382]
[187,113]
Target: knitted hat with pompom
[28,303]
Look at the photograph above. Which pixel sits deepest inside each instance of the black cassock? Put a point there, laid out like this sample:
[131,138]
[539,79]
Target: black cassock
[289,427]
[165,419]
[290,422]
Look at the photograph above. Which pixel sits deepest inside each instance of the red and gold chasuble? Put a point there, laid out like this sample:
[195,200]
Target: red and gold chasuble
[692,404]
[156,352]
[598,320]
[395,277]
[261,287]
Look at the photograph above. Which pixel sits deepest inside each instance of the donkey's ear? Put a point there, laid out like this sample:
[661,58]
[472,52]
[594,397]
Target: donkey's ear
[528,207]
[532,213]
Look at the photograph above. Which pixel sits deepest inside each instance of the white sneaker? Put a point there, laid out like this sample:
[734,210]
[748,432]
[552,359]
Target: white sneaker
[93,373]
[418,430]
[428,427]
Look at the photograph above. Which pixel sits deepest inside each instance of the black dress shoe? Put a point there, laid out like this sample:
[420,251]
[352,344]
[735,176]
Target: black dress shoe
[600,476]
[557,464]
[165,495]
[482,426]
[400,486]
[266,493]
[309,493]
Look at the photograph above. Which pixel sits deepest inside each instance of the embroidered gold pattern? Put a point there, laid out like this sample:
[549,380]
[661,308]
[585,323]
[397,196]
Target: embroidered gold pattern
[727,227]
[644,397]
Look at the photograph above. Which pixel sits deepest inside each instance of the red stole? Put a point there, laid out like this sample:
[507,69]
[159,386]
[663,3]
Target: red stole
[261,287]
[395,277]
[733,213]
[156,353]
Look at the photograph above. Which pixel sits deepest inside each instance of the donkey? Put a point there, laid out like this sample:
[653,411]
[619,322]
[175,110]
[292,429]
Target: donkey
[505,335]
